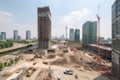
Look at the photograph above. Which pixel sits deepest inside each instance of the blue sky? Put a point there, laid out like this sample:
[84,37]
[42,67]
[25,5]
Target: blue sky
[21,15]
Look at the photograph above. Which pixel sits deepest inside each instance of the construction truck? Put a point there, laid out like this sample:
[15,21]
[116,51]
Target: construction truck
[44,62]
[65,50]
[34,63]
[30,71]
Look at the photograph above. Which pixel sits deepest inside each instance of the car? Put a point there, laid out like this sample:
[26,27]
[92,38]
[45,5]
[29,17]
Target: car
[68,71]
[58,78]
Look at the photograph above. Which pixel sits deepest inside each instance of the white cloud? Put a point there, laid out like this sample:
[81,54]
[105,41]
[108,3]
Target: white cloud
[8,23]
[6,17]
[73,17]
[4,13]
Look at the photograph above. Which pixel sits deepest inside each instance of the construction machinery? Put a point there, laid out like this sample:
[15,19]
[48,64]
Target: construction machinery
[34,63]
[98,42]
[44,62]
[65,50]
[30,71]
[32,59]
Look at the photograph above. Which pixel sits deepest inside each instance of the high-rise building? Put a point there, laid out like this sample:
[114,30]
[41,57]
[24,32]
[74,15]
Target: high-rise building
[0,36]
[44,27]
[71,38]
[3,35]
[62,37]
[109,40]
[105,41]
[77,35]
[15,35]
[89,33]
[116,38]
[102,40]
[28,35]
[19,37]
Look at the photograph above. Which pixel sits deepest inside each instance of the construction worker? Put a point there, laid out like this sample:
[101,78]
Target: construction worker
[49,67]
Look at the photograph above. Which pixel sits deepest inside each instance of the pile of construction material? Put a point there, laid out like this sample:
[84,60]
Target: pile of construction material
[50,56]
[45,75]
[68,58]
[17,75]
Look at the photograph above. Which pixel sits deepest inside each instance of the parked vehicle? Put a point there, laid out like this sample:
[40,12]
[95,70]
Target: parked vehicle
[68,71]
[58,78]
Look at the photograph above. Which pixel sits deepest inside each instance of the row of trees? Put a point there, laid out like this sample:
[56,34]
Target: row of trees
[11,51]
[6,44]
[9,63]
[23,41]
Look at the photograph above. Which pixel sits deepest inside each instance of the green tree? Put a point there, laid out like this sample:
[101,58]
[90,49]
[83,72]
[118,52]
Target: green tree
[11,61]
[30,45]
[1,66]
[3,46]
[5,63]
[6,44]
[0,46]
[9,64]
[11,44]
[16,59]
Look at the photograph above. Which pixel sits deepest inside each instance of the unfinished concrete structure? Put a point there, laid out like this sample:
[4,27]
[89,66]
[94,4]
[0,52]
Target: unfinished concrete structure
[44,27]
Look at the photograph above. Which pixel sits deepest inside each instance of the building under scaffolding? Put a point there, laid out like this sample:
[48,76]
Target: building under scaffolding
[44,27]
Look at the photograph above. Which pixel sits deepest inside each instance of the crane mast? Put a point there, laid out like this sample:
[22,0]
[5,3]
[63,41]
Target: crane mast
[98,36]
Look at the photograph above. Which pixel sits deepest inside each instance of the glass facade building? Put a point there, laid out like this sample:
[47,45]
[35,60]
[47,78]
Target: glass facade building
[28,35]
[71,34]
[15,35]
[116,38]
[77,35]
[89,33]
[3,35]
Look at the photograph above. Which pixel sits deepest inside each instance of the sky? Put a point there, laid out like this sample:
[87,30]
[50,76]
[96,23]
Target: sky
[21,15]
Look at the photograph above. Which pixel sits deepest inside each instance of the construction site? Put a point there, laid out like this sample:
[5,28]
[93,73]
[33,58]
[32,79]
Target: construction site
[63,61]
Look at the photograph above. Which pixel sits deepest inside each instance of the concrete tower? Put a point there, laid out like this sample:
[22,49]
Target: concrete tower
[44,27]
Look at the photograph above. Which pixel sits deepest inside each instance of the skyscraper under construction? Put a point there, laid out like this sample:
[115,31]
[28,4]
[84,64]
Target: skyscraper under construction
[44,27]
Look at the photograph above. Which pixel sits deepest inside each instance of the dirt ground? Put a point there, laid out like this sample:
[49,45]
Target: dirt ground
[81,62]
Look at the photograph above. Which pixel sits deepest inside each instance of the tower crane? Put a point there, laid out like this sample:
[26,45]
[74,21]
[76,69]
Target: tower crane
[98,36]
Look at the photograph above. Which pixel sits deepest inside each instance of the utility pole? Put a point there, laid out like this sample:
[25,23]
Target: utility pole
[66,32]
[98,39]
[66,36]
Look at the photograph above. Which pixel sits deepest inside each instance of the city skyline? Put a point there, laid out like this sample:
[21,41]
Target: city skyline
[19,17]
[60,40]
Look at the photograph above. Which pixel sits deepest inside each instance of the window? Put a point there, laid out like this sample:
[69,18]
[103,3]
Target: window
[118,27]
[113,30]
